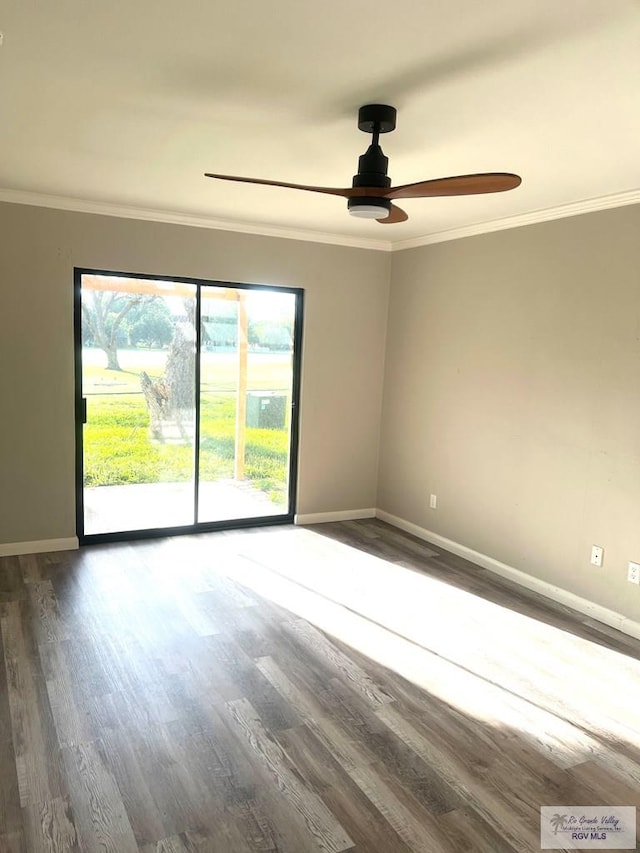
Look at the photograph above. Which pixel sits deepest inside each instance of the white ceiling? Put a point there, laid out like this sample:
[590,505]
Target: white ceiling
[126,104]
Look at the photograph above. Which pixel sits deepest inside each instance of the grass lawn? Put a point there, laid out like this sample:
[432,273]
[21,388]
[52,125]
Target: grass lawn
[218,372]
[118,448]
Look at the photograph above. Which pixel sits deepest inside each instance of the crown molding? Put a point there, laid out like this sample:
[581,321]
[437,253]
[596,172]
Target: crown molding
[548,214]
[78,205]
[576,208]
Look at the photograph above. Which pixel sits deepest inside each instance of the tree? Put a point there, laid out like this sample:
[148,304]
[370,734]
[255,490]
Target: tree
[272,334]
[103,312]
[149,324]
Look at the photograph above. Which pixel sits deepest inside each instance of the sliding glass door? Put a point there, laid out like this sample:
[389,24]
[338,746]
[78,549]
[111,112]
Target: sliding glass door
[187,415]
[246,389]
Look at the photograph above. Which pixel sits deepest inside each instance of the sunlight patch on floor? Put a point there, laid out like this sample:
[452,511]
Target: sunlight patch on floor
[485,659]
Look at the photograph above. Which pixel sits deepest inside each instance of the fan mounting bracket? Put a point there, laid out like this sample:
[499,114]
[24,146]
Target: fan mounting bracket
[376,118]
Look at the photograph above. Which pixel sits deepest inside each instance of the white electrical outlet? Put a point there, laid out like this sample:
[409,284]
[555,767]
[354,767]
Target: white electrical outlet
[597,553]
[633,575]
[433,502]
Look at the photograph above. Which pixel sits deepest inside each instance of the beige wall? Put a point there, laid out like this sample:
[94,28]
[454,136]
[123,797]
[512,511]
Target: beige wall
[512,391]
[346,297]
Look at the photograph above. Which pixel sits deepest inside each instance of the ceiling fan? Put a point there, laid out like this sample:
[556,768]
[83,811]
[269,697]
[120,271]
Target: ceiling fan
[371,196]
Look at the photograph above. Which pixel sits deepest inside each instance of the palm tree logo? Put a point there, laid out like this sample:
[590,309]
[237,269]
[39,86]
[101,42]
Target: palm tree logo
[557,822]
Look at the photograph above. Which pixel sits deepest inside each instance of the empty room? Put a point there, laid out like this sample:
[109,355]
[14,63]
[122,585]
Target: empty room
[319,427]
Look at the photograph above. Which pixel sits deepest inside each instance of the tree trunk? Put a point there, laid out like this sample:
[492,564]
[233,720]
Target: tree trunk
[155,393]
[112,358]
[180,372]
[170,398]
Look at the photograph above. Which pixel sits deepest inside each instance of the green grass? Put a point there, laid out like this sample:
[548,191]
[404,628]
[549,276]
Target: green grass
[119,449]
[218,373]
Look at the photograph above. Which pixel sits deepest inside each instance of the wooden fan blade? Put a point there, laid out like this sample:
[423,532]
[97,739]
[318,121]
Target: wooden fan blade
[396,214]
[490,182]
[346,193]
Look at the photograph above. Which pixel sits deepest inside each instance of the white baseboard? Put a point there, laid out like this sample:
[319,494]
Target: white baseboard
[41,546]
[555,593]
[341,515]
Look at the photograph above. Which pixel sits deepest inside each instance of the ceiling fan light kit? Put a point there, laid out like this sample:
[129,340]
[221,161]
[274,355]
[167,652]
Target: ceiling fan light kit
[371,194]
[369,208]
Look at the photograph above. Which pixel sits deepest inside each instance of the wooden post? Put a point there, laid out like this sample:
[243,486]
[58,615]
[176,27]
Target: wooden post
[241,402]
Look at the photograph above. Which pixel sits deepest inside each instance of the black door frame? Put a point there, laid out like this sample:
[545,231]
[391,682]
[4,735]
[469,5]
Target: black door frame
[80,410]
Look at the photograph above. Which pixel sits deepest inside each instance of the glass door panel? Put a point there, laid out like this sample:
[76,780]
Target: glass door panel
[138,381]
[246,384]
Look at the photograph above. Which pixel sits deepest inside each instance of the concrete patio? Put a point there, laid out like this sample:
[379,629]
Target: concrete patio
[111,509]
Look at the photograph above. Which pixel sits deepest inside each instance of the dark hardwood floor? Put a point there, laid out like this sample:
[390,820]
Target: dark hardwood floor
[340,687]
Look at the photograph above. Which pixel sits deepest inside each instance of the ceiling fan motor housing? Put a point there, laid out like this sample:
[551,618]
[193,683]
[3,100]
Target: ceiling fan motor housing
[372,169]
[372,172]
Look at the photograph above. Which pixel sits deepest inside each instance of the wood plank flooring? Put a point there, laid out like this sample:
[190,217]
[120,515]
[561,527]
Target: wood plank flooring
[342,687]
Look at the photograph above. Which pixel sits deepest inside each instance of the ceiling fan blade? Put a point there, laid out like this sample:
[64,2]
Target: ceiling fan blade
[396,214]
[489,182]
[346,193]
